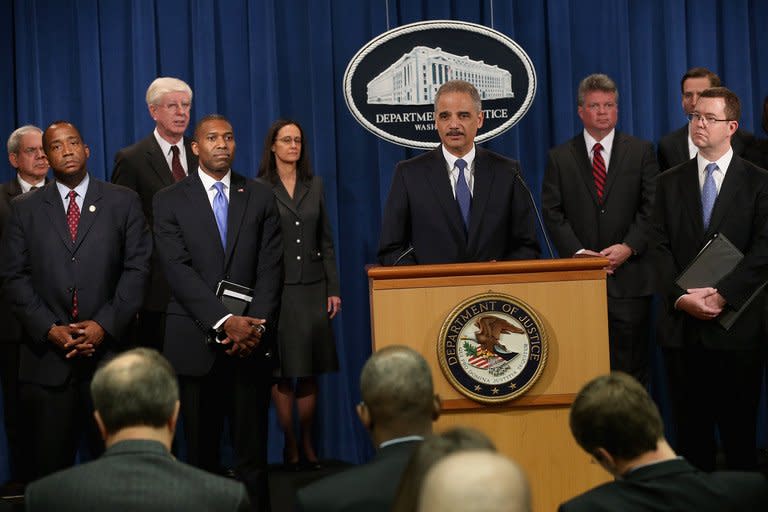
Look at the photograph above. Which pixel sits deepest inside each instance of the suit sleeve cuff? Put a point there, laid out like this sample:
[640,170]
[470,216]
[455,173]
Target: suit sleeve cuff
[218,324]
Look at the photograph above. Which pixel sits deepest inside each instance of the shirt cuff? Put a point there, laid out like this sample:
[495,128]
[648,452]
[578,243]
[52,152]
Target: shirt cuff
[218,324]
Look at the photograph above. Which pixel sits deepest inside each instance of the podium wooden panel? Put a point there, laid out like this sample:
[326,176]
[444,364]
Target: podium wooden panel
[409,305]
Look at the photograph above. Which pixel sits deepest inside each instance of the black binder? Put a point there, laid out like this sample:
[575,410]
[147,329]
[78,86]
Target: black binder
[236,298]
[715,260]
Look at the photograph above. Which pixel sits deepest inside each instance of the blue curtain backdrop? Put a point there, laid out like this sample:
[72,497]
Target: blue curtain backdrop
[90,61]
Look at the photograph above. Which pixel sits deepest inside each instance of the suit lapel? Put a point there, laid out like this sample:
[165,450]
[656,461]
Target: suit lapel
[732,184]
[615,167]
[581,157]
[238,201]
[481,191]
[681,144]
[438,180]
[54,208]
[281,195]
[690,196]
[200,209]
[157,162]
[90,210]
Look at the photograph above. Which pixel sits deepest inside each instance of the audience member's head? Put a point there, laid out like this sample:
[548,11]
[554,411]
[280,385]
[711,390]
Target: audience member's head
[398,396]
[614,419]
[26,155]
[475,481]
[428,453]
[694,82]
[136,396]
[169,101]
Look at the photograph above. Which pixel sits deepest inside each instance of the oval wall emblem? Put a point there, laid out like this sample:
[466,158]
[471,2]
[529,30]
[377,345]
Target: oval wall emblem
[492,348]
[390,83]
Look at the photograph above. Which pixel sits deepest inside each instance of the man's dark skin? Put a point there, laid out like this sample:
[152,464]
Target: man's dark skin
[67,155]
[214,146]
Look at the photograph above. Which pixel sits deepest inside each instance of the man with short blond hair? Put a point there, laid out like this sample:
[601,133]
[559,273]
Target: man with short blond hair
[162,158]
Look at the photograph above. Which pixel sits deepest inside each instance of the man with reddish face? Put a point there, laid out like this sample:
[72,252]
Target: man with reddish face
[164,157]
[76,257]
[26,155]
[716,193]
[678,147]
[214,226]
[458,202]
[596,198]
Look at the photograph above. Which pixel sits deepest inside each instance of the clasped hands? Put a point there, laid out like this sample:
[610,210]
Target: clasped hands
[617,254]
[77,339]
[243,334]
[701,303]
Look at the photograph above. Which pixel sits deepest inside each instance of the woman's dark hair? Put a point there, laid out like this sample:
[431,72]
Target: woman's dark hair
[268,167]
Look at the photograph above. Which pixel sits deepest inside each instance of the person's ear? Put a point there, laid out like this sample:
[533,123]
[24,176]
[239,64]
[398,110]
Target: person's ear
[100,425]
[174,418]
[365,415]
[605,459]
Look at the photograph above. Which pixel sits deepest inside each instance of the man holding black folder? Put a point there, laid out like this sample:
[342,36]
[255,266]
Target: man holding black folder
[218,235]
[714,373]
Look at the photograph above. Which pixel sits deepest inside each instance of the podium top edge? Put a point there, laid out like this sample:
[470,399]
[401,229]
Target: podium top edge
[486,268]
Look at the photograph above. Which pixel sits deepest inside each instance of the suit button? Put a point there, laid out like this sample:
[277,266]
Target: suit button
[73,258]
[298,240]
[298,257]
[602,210]
[298,223]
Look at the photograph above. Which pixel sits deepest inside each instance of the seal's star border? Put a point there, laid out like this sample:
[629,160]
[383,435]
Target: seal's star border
[448,344]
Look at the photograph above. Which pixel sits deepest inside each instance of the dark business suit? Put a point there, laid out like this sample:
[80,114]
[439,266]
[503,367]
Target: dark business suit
[714,374]
[675,485]
[136,476]
[10,341]
[213,383]
[143,167]
[422,212]
[673,147]
[107,264]
[575,220]
[757,153]
[370,487]
[305,338]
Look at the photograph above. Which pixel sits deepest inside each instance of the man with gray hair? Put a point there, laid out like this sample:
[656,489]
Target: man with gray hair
[476,481]
[26,156]
[596,197]
[458,202]
[163,157]
[398,407]
[136,401]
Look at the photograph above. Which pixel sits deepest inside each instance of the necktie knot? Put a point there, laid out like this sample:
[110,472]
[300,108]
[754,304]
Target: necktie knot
[219,186]
[461,164]
[175,150]
[72,195]
[597,147]
[710,168]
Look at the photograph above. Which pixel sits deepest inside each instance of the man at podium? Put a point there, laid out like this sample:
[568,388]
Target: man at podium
[458,202]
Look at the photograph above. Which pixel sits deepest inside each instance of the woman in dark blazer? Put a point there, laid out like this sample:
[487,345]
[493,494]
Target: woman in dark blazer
[311,291]
[757,152]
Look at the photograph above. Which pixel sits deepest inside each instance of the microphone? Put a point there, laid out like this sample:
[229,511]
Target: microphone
[408,251]
[538,214]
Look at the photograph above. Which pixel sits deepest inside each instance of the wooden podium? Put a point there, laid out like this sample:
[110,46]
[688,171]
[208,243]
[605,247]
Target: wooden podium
[409,305]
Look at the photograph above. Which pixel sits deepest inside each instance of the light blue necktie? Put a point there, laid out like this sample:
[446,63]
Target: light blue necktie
[220,206]
[708,194]
[463,197]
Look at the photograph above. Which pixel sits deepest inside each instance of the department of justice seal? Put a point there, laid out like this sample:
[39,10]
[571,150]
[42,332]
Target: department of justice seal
[492,347]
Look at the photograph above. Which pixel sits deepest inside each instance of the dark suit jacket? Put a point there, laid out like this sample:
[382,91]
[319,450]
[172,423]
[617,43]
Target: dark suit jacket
[142,167]
[675,485]
[673,147]
[187,241]
[740,213]
[309,254]
[11,331]
[370,487]
[138,476]
[757,153]
[422,212]
[108,265]
[575,220]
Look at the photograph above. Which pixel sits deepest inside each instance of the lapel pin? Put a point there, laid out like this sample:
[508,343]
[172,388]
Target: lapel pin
[92,208]
[240,190]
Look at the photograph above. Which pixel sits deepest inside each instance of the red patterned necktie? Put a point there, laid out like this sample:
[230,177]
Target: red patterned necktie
[176,168]
[598,170]
[73,219]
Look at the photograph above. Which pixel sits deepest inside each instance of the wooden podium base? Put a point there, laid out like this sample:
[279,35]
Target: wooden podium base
[409,306]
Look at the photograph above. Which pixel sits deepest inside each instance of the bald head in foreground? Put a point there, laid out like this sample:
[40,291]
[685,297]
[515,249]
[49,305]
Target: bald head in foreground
[475,481]
[136,401]
[615,421]
[398,408]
